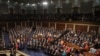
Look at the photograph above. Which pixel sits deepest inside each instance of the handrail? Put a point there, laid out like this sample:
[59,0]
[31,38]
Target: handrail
[7,52]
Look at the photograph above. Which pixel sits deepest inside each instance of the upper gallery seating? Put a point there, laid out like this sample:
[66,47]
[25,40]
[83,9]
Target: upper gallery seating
[54,17]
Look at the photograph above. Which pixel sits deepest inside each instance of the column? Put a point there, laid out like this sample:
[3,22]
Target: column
[36,24]
[32,23]
[99,30]
[74,27]
[15,24]
[65,26]
[88,26]
[49,24]
[28,23]
[55,25]
[21,25]
[7,25]
[25,23]
[41,24]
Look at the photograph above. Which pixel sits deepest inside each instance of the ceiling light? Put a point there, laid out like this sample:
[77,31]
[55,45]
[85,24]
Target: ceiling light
[51,2]
[28,4]
[86,0]
[67,1]
[33,5]
[45,3]
[38,3]
[16,2]
[8,1]
[22,3]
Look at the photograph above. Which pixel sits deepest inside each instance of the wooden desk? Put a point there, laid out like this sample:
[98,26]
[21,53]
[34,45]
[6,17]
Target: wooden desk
[78,48]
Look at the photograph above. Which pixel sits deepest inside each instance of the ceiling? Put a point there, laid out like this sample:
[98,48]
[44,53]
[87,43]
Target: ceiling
[77,2]
[36,1]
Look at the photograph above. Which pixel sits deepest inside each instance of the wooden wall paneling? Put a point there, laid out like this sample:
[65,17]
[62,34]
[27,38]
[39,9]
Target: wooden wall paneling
[27,23]
[60,26]
[23,24]
[30,23]
[18,23]
[99,30]
[45,24]
[15,24]
[82,28]
[94,28]
[52,25]
[2,24]
[49,24]
[39,24]
[70,26]
[11,25]
[35,23]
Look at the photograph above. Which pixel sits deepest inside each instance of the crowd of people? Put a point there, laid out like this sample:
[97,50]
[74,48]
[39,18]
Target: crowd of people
[2,45]
[1,40]
[50,41]
[87,41]
[19,35]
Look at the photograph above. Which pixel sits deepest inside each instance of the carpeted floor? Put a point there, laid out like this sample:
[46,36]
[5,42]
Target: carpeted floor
[33,53]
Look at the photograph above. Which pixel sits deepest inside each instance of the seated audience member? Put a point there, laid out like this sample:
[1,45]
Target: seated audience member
[64,53]
[92,50]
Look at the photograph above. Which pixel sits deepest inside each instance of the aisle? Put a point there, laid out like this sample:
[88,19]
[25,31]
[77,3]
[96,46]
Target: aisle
[29,37]
[6,39]
[33,53]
